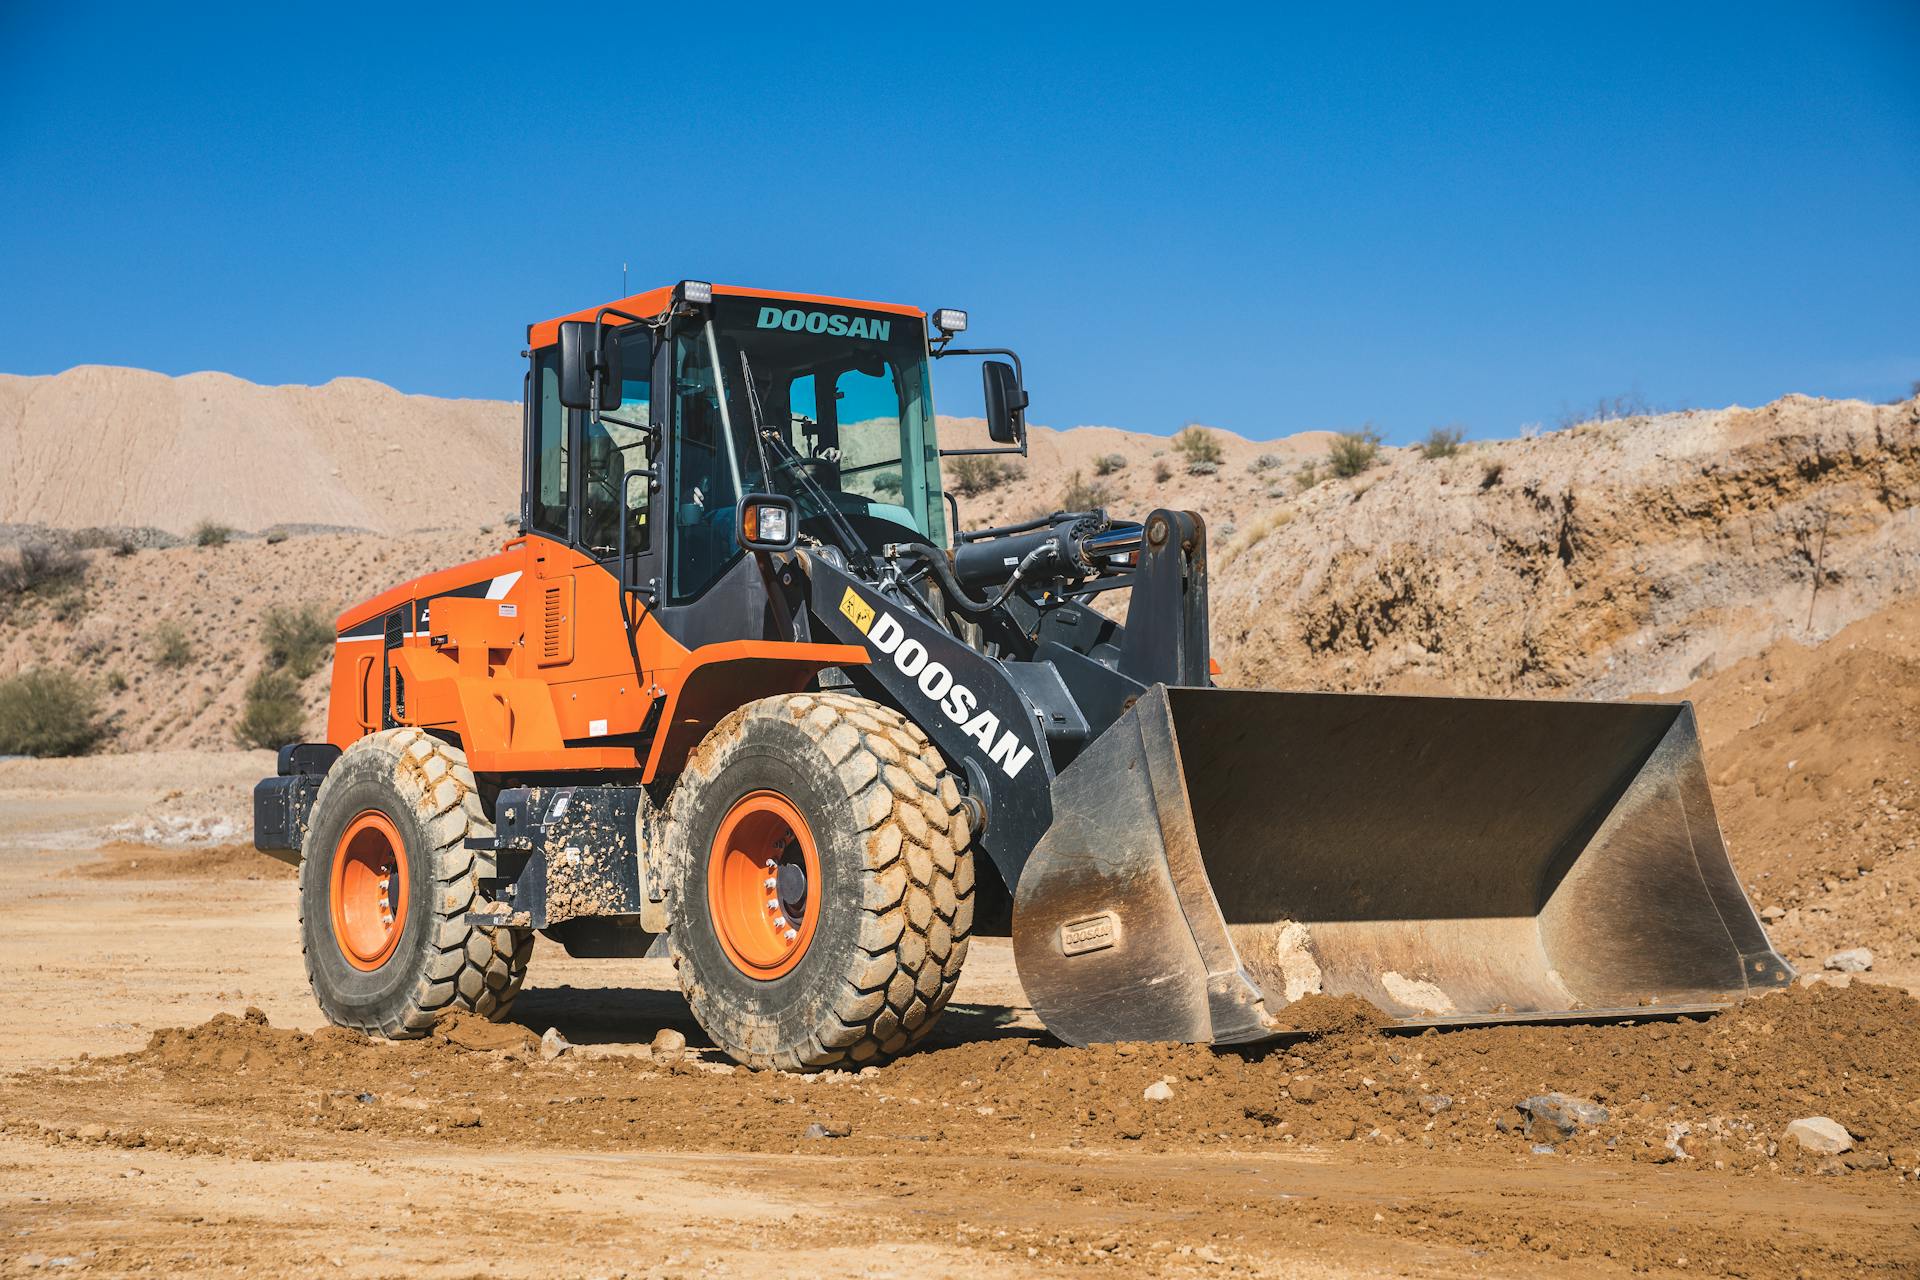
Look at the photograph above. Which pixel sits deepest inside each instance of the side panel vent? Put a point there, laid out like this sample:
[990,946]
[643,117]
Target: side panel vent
[556,622]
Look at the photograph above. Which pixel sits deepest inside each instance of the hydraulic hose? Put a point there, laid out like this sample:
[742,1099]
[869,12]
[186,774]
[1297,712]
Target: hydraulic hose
[1071,548]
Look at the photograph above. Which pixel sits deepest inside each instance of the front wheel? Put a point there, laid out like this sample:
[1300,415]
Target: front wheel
[386,883]
[824,891]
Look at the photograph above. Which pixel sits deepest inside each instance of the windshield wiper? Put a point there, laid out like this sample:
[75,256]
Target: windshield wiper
[796,467]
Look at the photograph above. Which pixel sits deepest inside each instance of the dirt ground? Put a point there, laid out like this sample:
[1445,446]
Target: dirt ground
[171,1103]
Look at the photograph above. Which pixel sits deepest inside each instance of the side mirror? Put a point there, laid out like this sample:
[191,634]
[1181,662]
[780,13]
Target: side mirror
[581,365]
[768,522]
[1006,403]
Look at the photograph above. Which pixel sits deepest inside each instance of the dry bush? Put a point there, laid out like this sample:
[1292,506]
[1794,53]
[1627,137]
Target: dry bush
[271,716]
[1307,476]
[1108,463]
[1353,452]
[1265,462]
[1197,444]
[1255,534]
[211,533]
[1202,467]
[1607,409]
[1490,473]
[39,566]
[1081,495]
[974,474]
[48,713]
[296,638]
[1162,472]
[171,647]
[1442,442]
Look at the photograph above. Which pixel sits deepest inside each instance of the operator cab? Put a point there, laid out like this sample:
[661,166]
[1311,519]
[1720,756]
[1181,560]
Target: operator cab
[647,420]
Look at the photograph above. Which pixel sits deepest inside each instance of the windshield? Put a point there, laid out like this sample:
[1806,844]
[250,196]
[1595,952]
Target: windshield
[843,397]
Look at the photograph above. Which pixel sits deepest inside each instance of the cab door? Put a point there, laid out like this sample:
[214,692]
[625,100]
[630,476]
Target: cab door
[578,623]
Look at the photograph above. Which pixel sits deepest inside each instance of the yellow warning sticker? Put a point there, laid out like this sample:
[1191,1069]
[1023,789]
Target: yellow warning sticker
[858,611]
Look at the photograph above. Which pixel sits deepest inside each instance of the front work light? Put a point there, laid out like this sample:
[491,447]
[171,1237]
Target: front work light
[767,522]
[697,292]
[950,320]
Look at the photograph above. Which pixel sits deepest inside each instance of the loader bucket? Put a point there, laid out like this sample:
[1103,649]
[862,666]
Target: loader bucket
[1217,854]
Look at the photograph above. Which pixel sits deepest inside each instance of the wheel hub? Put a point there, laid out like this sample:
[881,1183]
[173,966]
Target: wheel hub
[368,890]
[760,877]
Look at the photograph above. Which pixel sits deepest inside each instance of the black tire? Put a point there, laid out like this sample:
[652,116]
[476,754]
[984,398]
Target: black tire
[895,906]
[438,962]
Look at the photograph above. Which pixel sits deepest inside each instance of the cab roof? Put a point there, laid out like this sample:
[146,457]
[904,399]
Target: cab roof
[654,301]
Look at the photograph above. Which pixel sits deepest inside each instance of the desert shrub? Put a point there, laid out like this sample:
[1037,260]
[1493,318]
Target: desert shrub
[118,541]
[171,647]
[1162,472]
[1255,534]
[271,716]
[48,713]
[974,474]
[1197,444]
[39,566]
[1353,452]
[1083,495]
[1490,473]
[1607,409]
[1265,462]
[1202,467]
[1442,442]
[1307,476]
[211,533]
[296,638]
[116,681]
[1108,463]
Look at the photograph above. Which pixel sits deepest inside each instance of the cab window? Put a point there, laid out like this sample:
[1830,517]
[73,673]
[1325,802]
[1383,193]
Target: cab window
[614,446]
[549,483]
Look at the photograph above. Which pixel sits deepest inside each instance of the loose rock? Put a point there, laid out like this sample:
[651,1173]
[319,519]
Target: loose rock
[668,1046]
[553,1044]
[1820,1135]
[828,1129]
[1852,960]
[1158,1091]
[1562,1113]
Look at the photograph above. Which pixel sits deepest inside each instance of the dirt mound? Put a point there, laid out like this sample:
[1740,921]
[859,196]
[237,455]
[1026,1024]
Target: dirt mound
[218,862]
[98,445]
[1814,756]
[1323,1015]
[1717,1091]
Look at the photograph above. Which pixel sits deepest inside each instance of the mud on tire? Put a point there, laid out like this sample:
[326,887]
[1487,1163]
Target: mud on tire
[423,790]
[895,906]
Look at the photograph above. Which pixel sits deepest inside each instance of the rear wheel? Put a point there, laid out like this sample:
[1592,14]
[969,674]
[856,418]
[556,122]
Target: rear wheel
[824,889]
[386,882]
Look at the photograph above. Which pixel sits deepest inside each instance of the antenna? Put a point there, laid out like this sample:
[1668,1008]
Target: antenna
[623,279]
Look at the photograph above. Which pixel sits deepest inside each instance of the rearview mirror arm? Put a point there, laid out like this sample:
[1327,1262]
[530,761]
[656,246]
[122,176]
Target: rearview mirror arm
[599,337]
[1019,373]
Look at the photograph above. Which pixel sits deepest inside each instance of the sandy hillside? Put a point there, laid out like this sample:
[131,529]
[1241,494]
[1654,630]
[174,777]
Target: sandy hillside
[1612,559]
[1814,757]
[109,446]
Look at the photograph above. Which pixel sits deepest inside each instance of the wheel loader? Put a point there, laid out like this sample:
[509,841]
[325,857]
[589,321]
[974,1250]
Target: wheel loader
[743,691]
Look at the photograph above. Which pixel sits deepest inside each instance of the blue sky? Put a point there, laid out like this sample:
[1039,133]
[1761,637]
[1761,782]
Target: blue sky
[1270,221]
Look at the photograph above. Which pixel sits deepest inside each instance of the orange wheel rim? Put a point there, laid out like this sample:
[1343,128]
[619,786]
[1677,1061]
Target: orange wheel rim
[369,890]
[763,885]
